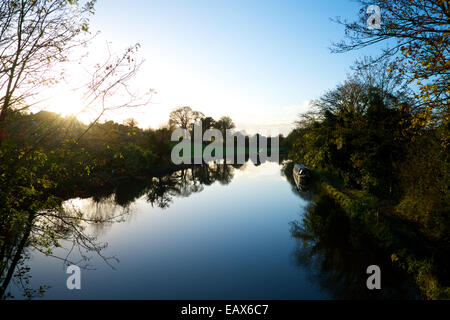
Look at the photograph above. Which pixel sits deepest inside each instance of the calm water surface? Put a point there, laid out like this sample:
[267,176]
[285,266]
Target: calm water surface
[219,232]
[225,237]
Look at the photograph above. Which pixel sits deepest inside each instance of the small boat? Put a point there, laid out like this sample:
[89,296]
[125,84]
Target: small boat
[301,171]
[301,175]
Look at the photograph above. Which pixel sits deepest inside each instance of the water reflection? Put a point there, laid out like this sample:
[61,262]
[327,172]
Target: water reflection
[46,231]
[70,230]
[160,191]
[337,251]
[338,254]
[305,189]
[243,244]
[98,213]
[13,258]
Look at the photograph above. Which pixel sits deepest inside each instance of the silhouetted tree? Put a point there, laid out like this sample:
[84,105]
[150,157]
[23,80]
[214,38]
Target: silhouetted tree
[208,123]
[417,36]
[184,118]
[130,122]
[224,124]
[34,36]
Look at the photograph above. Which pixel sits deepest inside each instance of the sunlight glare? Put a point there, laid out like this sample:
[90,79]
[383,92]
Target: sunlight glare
[65,101]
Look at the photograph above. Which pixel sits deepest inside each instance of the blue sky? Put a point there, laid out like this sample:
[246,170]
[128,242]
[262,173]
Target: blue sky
[258,61]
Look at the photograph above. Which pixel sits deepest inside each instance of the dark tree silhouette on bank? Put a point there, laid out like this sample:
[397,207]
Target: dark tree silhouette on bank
[417,36]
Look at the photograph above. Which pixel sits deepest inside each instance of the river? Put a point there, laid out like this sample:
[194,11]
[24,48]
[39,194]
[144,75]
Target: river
[214,232]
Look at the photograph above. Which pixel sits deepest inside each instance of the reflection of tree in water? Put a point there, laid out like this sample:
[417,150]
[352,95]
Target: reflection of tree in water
[184,183]
[55,232]
[101,212]
[223,173]
[338,253]
[160,191]
[61,231]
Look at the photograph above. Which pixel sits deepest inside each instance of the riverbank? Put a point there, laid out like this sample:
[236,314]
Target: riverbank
[421,258]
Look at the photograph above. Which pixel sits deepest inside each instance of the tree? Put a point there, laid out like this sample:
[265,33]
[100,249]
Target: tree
[224,124]
[208,123]
[32,217]
[34,36]
[417,33]
[184,118]
[109,89]
[130,122]
[159,143]
[358,131]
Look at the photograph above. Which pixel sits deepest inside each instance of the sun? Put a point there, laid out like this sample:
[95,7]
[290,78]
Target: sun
[64,101]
